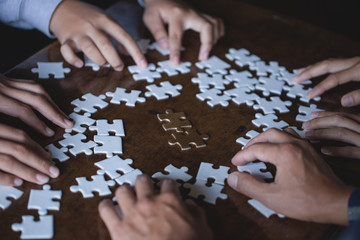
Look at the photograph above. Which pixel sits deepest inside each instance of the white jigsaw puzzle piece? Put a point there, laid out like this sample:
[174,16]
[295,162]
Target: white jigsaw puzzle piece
[250,135]
[45,69]
[242,57]
[88,102]
[57,153]
[242,79]
[173,173]
[80,120]
[108,145]
[213,97]
[214,65]
[274,104]
[164,52]
[163,91]
[206,171]
[130,99]
[211,194]
[262,69]
[298,90]
[103,127]
[129,178]
[30,229]
[265,211]
[97,184]
[305,112]
[270,85]
[112,165]
[206,81]
[254,170]
[172,70]
[7,192]
[95,67]
[241,95]
[148,74]
[268,120]
[43,200]
[77,144]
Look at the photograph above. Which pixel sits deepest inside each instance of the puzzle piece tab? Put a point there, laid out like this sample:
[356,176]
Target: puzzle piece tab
[57,153]
[206,81]
[213,97]
[250,135]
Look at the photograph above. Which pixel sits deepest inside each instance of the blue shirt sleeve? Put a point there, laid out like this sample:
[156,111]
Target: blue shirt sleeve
[28,14]
[353,231]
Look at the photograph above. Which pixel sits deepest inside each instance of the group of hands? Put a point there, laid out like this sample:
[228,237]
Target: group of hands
[303,179]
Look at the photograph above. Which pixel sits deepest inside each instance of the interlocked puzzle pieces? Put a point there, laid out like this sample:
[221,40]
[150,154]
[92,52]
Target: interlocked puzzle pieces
[7,192]
[77,144]
[88,102]
[255,170]
[162,92]
[250,135]
[206,171]
[112,165]
[80,120]
[108,145]
[274,104]
[210,194]
[213,97]
[242,95]
[98,184]
[242,57]
[45,69]
[214,65]
[242,79]
[120,95]
[305,112]
[262,69]
[43,200]
[174,121]
[268,121]
[206,81]
[103,127]
[172,70]
[129,178]
[270,85]
[148,74]
[188,138]
[174,173]
[30,229]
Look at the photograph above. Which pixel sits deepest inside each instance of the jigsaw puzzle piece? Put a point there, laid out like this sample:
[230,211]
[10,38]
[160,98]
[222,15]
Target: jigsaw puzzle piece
[206,171]
[97,184]
[103,127]
[262,69]
[275,103]
[298,90]
[213,97]
[305,112]
[205,81]
[129,178]
[241,95]
[214,65]
[173,70]
[148,74]
[250,135]
[45,69]
[95,67]
[112,165]
[265,211]
[242,57]
[270,85]
[31,229]
[210,194]
[164,52]
[109,145]
[130,99]
[174,173]
[268,121]
[254,169]
[242,79]
[57,153]
[77,144]
[80,120]
[88,102]
[7,192]
[163,91]
[174,121]
[43,200]
[188,138]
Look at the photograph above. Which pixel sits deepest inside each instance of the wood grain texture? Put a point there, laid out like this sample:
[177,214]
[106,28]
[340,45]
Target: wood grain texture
[272,37]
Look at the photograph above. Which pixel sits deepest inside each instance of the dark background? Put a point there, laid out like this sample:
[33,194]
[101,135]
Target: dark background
[334,15]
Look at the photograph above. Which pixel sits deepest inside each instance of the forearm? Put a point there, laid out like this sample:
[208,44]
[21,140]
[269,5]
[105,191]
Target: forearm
[28,14]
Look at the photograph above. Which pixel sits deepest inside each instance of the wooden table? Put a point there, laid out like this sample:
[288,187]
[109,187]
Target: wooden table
[271,36]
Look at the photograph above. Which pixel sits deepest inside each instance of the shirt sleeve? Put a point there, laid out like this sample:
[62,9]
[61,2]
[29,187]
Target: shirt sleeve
[28,14]
[353,231]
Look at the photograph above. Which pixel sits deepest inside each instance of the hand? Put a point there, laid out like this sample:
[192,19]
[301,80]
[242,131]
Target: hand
[18,98]
[304,188]
[342,71]
[344,127]
[154,216]
[22,158]
[180,17]
[83,27]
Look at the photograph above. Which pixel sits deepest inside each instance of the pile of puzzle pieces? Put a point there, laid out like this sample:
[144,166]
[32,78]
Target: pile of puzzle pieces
[218,85]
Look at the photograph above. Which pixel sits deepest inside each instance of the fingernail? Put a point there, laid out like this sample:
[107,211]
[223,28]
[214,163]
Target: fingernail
[314,114]
[175,60]
[204,56]
[232,180]
[78,64]
[309,133]
[119,68]
[347,101]
[42,178]
[305,125]
[301,70]
[143,63]
[49,132]
[164,44]
[296,78]
[18,182]
[54,171]
[325,151]
[311,94]
[68,123]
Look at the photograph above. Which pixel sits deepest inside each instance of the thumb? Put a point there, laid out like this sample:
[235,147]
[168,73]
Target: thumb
[246,184]
[351,99]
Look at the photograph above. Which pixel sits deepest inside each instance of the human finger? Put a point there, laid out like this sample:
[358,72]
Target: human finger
[109,215]
[265,152]
[332,121]
[170,186]
[338,134]
[156,26]
[122,37]
[13,168]
[176,31]
[320,114]
[246,184]
[271,135]
[9,180]
[334,80]
[292,132]
[323,67]
[207,41]
[68,52]
[346,151]
[126,199]
[89,48]
[351,99]
[144,187]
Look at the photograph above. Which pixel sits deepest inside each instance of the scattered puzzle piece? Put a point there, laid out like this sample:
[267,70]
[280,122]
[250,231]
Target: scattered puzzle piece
[164,91]
[174,121]
[172,70]
[80,120]
[120,95]
[206,81]
[164,52]
[300,91]
[305,112]
[206,171]
[188,138]
[129,178]
[112,165]
[262,69]
[7,192]
[148,74]
[267,212]
[242,79]
[45,69]
[57,153]
[43,200]
[77,144]
[88,102]
[109,145]
[213,97]
[103,127]
[270,85]
[242,57]
[98,184]
[268,120]
[95,67]
[214,65]
[255,170]
[250,135]
[242,95]
[211,194]
[173,173]
[274,104]
[30,229]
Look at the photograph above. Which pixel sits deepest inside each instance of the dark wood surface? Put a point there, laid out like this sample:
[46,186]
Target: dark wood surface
[269,35]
